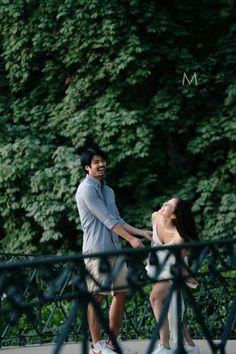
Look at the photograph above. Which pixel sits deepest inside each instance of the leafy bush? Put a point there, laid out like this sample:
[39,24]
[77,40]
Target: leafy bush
[73,72]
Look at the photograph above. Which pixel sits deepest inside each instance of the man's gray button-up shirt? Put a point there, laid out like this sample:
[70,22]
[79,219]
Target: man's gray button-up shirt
[98,215]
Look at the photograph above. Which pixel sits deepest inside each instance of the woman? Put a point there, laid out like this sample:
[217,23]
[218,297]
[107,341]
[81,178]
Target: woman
[172,224]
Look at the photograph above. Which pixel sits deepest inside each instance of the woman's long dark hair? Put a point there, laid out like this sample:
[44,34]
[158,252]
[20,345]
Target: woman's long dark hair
[184,221]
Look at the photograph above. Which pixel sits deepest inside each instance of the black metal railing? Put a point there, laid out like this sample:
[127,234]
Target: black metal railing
[45,299]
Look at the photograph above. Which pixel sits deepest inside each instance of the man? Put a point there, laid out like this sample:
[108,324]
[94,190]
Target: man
[102,226]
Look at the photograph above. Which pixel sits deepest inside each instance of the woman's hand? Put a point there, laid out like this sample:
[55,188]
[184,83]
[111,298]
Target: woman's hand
[191,283]
[147,234]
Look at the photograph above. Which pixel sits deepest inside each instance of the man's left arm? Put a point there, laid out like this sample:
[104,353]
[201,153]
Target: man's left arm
[138,232]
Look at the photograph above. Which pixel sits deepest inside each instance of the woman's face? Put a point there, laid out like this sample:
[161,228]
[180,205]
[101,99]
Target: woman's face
[168,207]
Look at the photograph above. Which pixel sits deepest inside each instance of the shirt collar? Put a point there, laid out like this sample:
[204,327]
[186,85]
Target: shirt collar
[95,181]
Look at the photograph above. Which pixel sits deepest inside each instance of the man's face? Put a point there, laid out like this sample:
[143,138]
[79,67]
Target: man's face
[97,168]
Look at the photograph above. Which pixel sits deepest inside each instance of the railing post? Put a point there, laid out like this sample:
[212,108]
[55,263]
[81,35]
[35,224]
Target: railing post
[179,283]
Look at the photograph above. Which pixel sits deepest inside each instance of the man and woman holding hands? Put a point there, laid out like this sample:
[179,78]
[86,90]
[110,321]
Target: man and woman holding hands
[103,226]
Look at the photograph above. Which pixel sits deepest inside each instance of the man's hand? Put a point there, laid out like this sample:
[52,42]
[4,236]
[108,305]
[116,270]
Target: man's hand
[136,243]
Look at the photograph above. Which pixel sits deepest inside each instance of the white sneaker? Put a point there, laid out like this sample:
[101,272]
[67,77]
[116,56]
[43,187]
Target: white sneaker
[191,349]
[162,350]
[101,347]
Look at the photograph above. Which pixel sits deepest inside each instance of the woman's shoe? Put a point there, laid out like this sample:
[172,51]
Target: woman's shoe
[190,349]
[162,350]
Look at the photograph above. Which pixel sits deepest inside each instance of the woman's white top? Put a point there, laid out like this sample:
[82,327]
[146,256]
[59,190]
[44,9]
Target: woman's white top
[165,259]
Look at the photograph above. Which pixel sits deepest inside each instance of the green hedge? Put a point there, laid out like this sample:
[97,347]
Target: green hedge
[77,71]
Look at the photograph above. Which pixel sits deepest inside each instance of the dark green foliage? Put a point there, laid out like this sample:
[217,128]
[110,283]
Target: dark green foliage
[73,72]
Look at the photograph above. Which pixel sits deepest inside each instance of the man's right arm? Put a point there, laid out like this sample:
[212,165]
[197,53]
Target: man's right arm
[134,242]
[101,212]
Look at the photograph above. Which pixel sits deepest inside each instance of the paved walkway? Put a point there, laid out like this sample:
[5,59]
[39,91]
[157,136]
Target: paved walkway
[139,345]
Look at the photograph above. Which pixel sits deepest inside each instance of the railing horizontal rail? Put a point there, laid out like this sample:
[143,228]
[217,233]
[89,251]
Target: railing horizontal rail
[42,259]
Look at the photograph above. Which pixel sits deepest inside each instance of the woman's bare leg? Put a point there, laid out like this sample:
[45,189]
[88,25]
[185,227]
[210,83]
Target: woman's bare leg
[157,297]
[187,336]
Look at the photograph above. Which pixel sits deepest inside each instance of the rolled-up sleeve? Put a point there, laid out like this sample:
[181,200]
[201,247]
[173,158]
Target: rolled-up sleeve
[98,207]
[118,218]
